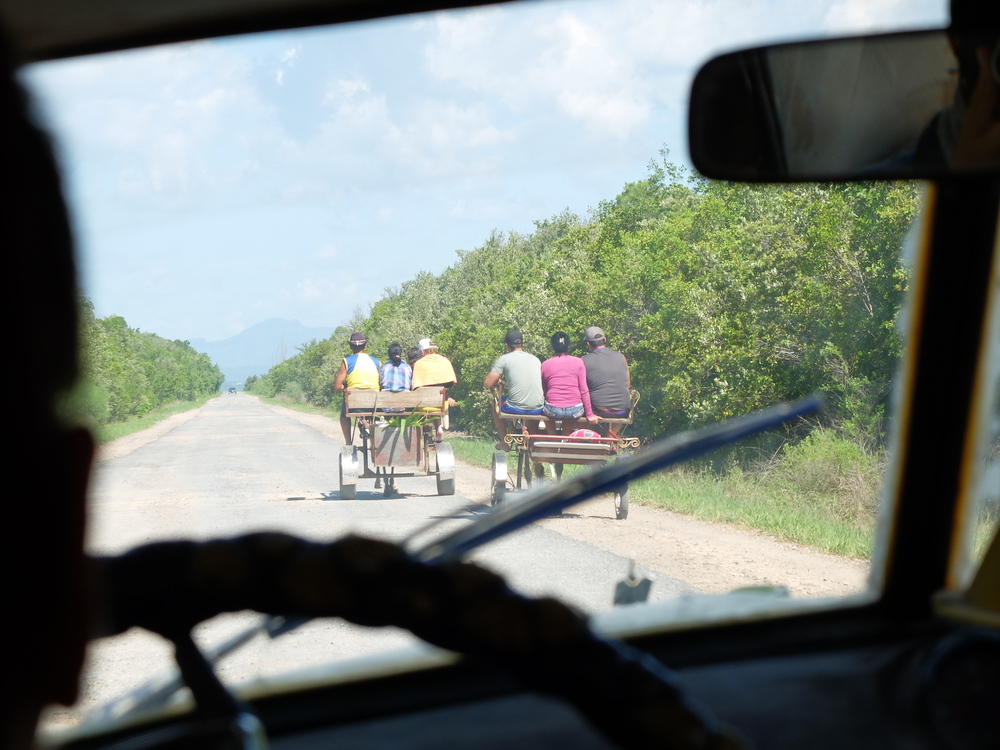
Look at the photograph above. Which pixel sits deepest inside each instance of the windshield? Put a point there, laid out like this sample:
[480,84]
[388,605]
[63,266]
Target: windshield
[243,206]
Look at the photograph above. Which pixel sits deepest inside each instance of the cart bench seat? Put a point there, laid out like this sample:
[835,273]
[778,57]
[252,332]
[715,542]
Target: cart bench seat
[633,399]
[626,419]
[514,417]
[430,400]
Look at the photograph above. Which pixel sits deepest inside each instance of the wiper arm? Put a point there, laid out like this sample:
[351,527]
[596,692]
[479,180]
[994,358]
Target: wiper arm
[158,691]
[552,499]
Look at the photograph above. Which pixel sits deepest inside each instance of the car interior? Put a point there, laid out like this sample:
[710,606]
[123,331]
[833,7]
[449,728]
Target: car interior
[912,663]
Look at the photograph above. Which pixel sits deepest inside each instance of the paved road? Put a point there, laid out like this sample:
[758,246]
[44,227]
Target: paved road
[239,466]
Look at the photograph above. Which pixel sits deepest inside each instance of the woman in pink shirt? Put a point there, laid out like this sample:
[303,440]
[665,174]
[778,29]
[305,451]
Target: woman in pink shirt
[564,383]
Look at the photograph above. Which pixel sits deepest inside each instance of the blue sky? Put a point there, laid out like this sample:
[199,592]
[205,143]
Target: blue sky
[220,183]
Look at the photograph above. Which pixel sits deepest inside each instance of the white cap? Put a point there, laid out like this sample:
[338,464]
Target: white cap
[425,344]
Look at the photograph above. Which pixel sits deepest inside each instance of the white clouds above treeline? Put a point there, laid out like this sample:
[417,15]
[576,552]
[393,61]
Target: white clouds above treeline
[407,138]
[190,124]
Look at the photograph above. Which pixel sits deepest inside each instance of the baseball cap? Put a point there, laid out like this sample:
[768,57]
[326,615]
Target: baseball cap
[513,338]
[594,335]
[358,338]
[426,344]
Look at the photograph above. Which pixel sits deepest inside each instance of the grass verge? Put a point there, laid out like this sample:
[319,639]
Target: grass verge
[472,450]
[107,432]
[758,502]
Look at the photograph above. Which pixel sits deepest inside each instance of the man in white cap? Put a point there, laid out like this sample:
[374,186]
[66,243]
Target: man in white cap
[433,369]
[608,377]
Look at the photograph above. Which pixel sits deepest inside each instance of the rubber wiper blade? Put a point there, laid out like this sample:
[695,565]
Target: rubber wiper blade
[545,501]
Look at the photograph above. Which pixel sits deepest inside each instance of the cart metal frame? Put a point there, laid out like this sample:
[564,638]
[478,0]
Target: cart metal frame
[559,450]
[389,451]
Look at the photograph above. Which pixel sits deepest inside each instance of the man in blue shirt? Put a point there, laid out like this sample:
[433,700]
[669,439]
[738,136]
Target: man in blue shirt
[395,375]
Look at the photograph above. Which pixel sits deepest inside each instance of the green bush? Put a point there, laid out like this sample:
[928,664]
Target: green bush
[127,373]
[725,298]
[293,390]
[831,471]
[89,403]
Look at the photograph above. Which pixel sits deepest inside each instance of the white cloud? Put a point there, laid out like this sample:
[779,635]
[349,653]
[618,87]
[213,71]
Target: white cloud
[168,126]
[286,60]
[340,90]
[190,126]
[603,65]
[609,64]
[859,16]
[313,289]
[476,119]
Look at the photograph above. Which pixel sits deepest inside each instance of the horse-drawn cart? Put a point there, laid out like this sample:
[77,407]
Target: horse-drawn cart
[580,447]
[397,439]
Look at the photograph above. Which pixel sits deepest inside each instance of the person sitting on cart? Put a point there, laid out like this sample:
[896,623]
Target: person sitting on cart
[395,375]
[434,369]
[564,382]
[608,376]
[358,371]
[521,376]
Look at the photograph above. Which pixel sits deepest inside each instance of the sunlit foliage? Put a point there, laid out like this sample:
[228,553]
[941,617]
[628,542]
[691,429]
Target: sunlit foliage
[724,298]
[128,372]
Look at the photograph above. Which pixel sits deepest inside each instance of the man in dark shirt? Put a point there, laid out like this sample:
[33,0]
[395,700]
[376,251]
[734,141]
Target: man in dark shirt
[607,376]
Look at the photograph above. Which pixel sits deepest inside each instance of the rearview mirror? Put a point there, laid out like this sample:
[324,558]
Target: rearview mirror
[878,107]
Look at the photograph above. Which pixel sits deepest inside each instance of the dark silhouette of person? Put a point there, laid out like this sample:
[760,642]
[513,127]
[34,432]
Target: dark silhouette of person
[46,580]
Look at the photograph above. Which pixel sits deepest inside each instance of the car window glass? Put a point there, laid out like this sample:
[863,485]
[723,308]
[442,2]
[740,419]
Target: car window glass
[982,489]
[236,184]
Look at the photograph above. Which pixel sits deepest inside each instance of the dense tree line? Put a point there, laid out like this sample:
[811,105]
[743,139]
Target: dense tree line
[725,298]
[127,372]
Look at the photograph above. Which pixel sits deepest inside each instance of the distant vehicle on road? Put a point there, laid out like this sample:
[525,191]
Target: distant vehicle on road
[233,391]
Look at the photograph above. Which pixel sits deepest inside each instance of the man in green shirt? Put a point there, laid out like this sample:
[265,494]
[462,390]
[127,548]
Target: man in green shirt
[520,374]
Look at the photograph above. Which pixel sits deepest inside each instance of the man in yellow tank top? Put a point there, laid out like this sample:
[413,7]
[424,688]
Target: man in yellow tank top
[360,371]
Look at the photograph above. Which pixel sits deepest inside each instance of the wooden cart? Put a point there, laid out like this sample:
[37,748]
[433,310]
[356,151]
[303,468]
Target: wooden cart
[392,445]
[559,450]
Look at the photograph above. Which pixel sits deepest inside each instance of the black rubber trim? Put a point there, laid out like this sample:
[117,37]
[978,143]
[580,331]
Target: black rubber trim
[953,314]
[232,24]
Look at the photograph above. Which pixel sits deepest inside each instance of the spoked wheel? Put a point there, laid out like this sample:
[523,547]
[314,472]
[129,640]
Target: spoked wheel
[621,502]
[348,472]
[445,469]
[498,482]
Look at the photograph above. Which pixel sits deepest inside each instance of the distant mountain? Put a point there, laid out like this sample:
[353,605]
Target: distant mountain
[257,349]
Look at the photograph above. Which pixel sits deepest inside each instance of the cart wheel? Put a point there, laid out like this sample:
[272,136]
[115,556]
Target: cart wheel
[498,485]
[445,469]
[348,472]
[621,502]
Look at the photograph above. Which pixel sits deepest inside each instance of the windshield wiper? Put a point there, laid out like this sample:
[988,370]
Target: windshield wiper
[155,693]
[551,499]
